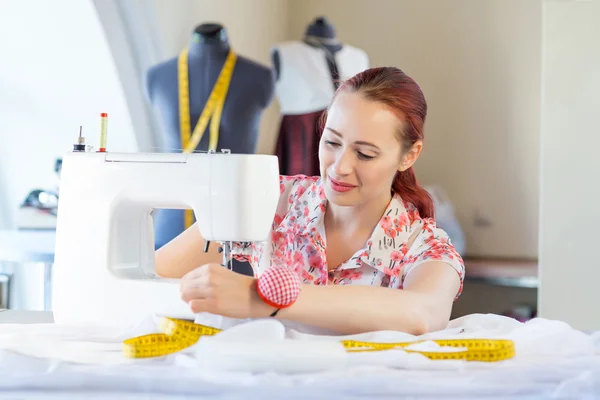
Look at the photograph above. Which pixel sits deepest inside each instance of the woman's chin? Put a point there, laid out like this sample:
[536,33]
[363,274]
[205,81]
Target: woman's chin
[340,198]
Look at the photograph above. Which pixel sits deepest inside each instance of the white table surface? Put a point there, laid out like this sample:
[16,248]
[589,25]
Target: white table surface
[27,245]
[25,317]
[75,362]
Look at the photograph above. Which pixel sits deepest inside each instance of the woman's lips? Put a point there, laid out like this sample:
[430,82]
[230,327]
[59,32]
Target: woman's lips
[340,186]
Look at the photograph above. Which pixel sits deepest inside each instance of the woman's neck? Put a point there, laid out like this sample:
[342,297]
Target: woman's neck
[356,219]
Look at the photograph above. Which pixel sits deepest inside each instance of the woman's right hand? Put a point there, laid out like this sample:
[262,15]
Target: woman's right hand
[216,289]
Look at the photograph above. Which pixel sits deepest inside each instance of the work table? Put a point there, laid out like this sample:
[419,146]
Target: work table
[25,317]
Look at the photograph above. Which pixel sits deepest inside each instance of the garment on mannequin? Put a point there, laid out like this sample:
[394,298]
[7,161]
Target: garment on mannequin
[308,72]
[250,92]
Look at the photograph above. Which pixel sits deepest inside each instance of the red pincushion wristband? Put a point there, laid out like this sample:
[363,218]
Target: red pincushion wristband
[278,287]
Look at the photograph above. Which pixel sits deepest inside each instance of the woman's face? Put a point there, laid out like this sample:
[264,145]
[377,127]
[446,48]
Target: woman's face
[359,152]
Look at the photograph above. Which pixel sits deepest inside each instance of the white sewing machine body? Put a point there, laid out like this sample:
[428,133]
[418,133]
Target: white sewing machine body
[104,260]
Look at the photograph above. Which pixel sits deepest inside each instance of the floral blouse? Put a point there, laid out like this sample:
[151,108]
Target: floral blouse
[400,243]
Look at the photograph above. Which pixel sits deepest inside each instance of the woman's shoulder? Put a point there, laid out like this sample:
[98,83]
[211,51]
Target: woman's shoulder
[291,184]
[305,180]
[299,195]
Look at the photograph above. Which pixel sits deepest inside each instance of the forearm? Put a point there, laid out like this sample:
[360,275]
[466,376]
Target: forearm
[185,253]
[351,309]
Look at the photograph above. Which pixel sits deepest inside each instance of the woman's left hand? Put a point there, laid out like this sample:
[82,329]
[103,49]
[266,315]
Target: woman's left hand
[215,289]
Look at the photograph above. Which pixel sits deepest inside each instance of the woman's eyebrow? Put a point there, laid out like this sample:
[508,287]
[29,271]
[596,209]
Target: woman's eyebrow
[361,142]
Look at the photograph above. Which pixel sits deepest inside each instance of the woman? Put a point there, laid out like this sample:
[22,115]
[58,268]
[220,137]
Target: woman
[362,236]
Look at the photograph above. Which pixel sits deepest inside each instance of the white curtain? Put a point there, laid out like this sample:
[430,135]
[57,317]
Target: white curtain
[132,32]
[4,208]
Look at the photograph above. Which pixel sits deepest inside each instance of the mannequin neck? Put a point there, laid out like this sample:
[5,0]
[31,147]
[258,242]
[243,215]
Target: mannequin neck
[321,33]
[208,40]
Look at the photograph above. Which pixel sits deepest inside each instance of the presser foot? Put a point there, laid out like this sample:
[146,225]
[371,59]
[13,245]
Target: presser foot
[224,248]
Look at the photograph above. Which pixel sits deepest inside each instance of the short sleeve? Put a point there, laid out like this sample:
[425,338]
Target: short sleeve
[433,244]
[249,252]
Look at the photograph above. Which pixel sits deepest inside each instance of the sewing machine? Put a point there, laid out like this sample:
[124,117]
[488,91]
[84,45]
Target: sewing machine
[104,261]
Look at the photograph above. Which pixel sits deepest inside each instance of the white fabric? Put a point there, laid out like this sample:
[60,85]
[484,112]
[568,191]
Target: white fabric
[304,84]
[552,361]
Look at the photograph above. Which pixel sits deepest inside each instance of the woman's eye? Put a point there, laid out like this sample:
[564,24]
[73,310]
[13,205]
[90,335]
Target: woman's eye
[364,156]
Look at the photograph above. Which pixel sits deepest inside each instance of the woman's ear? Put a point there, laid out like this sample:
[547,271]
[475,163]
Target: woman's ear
[411,156]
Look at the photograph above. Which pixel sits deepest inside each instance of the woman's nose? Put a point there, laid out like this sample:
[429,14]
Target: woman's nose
[343,164]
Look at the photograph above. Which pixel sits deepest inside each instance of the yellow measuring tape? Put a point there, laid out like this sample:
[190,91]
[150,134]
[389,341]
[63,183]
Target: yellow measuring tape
[177,335]
[213,108]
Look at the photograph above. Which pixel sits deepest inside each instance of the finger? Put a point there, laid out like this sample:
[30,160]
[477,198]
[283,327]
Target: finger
[196,293]
[196,272]
[199,282]
[202,305]
[203,270]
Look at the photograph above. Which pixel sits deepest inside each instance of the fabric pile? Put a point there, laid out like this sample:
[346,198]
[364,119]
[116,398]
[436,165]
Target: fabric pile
[251,359]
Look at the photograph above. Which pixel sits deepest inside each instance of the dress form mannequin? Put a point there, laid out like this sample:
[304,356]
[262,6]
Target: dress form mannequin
[250,92]
[307,73]
[319,33]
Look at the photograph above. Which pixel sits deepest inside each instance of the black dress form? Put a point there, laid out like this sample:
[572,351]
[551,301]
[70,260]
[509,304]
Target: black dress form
[250,92]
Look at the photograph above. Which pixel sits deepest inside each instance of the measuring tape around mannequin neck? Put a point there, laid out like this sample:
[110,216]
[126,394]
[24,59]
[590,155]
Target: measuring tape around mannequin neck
[177,335]
[212,110]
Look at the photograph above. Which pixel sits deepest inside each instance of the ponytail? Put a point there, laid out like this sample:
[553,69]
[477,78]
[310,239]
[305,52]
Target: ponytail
[406,186]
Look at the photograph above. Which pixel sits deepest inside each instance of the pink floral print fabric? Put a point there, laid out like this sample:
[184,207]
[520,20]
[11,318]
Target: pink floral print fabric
[399,244]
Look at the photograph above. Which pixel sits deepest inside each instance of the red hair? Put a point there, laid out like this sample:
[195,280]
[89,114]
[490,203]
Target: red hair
[401,94]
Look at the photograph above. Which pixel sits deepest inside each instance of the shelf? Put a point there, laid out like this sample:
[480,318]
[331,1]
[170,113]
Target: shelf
[502,272]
